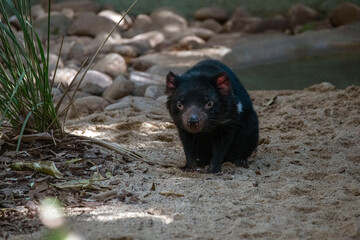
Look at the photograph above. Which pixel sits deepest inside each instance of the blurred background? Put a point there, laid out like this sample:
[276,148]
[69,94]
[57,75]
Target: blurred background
[270,44]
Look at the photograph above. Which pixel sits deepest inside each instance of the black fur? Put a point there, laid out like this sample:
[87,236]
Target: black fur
[203,103]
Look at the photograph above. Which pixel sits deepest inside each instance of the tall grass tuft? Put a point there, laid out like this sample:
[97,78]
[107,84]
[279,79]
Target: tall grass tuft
[25,90]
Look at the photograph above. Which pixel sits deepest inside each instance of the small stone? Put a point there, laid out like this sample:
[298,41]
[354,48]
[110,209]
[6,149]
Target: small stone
[125,50]
[120,88]
[142,104]
[154,38]
[59,25]
[215,13]
[112,64]
[275,23]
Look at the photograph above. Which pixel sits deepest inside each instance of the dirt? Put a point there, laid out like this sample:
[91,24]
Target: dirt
[303,181]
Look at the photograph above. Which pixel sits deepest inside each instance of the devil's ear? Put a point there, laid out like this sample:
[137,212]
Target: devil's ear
[170,83]
[222,82]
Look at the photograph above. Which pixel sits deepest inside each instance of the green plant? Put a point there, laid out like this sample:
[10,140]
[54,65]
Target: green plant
[25,89]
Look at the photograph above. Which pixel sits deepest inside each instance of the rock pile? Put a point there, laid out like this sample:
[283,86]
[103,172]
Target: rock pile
[130,70]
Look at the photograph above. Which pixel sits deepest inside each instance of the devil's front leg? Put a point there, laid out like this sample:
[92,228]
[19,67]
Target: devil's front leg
[189,143]
[221,141]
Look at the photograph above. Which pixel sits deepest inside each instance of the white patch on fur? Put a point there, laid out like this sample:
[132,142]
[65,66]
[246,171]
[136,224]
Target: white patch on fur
[240,107]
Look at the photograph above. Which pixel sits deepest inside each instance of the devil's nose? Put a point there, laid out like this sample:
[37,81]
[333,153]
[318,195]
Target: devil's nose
[193,121]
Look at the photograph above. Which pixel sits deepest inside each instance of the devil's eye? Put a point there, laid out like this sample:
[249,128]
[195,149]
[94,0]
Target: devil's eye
[179,105]
[209,104]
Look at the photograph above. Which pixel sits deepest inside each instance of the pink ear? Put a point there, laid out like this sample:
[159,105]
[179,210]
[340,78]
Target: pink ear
[170,83]
[223,83]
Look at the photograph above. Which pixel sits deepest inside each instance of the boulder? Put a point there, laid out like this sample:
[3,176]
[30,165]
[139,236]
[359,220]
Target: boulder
[154,92]
[142,104]
[278,22]
[300,14]
[169,20]
[59,25]
[63,76]
[142,80]
[87,105]
[344,14]
[115,17]
[94,82]
[123,103]
[125,50]
[112,64]
[120,88]
[216,13]
[210,24]
[90,24]
[142,23]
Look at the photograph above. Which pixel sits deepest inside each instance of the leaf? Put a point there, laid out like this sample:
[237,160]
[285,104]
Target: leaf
[171,194]
[271,101]
[76,184]
[46,167]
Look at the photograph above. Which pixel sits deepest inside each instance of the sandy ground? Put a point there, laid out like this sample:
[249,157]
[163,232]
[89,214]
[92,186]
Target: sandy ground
[303,181]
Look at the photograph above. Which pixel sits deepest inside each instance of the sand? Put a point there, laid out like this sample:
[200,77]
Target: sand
[303,181]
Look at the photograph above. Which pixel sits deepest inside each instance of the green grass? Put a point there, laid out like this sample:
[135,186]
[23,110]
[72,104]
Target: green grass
[25,90]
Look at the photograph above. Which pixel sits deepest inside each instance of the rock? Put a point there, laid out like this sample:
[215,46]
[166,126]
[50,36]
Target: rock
[87,105]
[142,80]
[77,52]
[125,50]
[169,20]
[55,92]
[321,87]
[142,23]
[300,14]
[275,23]
[59,25]
[115,17]
[120,88]
[192,42]
[123,103]
[239,13]
[216,13]
[154,92]
[94,82]
[37,12]
[142,104]
[344,14]
[210,24]
[89,24]
[162,99]
[68,96]
[239,24]
[181,59]
[53,58]
[226,39]
[68,12]
[63,76]
[77,6]
[154,38]
[200,32]
[112,64]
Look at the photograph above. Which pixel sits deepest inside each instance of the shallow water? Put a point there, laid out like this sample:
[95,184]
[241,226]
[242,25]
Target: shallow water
[340,70]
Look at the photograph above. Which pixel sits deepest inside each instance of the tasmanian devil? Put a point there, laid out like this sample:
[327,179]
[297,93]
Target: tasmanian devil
[214,116]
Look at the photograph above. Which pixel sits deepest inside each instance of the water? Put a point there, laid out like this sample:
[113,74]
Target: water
[340,70]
